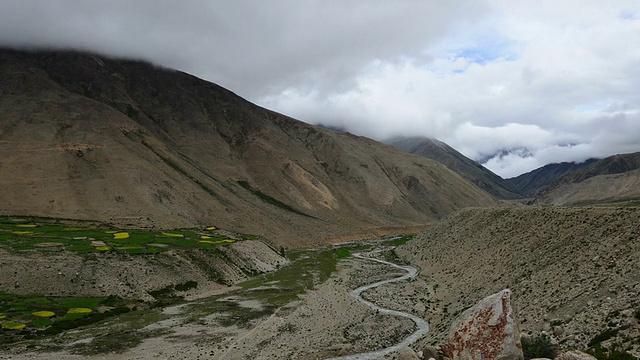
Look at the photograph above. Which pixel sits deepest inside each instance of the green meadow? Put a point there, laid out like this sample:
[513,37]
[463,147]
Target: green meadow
[19,234]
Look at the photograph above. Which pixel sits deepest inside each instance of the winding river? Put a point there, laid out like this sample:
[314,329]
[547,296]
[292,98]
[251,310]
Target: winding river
[421,324]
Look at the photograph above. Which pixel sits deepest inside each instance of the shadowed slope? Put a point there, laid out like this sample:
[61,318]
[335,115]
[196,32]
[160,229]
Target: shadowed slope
[125,142]
[615,179]
[462,165]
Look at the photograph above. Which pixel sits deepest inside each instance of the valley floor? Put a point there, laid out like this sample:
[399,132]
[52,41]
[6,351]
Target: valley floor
[324,322]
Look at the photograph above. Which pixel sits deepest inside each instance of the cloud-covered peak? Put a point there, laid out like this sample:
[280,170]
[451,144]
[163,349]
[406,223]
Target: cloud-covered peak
[483,76]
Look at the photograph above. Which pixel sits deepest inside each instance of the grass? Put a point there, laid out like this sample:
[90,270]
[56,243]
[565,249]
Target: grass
[345,251]
[270,200]
[50,234]
[24,317]
[401,241]
[308,269]
[29,316]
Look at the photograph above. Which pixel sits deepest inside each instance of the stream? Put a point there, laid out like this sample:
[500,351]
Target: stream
[421,324]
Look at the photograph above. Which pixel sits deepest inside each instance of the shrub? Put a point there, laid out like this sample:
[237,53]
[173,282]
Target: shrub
[602,353]
[538,347]
[603,336]
[187,286]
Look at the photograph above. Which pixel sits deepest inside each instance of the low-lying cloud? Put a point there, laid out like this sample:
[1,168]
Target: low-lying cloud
[534,82]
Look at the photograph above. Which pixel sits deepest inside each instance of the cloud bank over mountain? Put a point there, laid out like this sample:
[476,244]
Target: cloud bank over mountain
[557,78]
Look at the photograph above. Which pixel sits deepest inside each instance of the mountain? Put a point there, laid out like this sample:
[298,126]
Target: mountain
[615,179]
[520,151]
[454,160]
[128,143]
[529,183]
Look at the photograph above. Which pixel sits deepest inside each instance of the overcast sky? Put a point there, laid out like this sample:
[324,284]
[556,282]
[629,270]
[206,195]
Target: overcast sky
[551,80]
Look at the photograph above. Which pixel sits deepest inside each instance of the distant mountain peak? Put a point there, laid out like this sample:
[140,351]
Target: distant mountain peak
[519,151]
[470,170]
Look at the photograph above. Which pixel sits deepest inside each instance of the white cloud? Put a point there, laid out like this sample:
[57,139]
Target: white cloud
[556,77]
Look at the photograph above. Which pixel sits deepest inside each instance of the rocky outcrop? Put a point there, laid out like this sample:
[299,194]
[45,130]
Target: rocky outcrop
[486,331]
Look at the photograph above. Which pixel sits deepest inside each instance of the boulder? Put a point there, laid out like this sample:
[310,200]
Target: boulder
[575,355]
[430,352]
[486,331]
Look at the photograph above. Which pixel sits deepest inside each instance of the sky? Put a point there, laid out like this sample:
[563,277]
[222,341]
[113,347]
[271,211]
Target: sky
[513,84]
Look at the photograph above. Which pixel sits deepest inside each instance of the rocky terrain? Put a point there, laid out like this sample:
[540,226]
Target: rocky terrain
[66,274]
[322,323]
[124,143]
[623,188]
[573,271]
[462,165]
[131,144]
[612,180]
[529,183]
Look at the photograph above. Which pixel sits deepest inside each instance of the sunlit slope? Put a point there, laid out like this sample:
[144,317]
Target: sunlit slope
[125,142]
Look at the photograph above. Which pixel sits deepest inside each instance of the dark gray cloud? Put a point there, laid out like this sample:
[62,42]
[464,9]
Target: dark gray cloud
[254,47]
[557,78]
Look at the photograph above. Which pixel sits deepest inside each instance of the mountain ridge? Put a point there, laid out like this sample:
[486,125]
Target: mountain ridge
[132,144]
[529,183]
[614,179]
[470,170]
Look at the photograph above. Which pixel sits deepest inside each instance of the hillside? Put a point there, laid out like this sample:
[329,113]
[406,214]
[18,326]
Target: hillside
[615,179]
[462,165]
[573,271]
[529,183]
[127,143]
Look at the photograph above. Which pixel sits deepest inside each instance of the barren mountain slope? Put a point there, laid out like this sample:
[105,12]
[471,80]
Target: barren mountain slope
[124,142]
[454,160]
[612,179]
[616,188]
[573,271]
[529,183]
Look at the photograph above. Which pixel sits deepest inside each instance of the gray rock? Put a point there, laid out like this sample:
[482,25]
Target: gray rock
[406,354]
[558,330]
[486,331]
[575,355]
[625,325]
[430,352]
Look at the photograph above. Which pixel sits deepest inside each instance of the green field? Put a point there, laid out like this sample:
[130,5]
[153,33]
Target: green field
[27,316]
[28,319]
[20,233]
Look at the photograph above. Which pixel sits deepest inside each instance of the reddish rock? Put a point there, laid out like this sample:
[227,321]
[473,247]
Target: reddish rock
[486,331]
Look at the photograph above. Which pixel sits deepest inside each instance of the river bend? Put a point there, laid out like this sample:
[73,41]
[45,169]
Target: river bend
[421,325]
